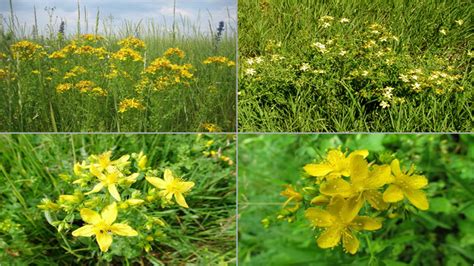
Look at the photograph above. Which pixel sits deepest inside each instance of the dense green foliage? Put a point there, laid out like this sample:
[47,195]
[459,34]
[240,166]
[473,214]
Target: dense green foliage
[371,65]
[442,235]
[33,167]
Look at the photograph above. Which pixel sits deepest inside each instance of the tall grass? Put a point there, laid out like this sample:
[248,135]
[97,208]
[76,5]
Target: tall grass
[331,94]
[33,105]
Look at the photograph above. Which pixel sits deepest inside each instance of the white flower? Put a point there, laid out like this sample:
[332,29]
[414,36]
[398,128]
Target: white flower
[321,47]
[344,20]
[250,61]
[384,104]
[416,86]
[365,73]
[319,71]
[342,52]
[459,22]
[250,72]
[404,78]
[258,60]
[326,25]
[443,31]
[388,92]
[305,67]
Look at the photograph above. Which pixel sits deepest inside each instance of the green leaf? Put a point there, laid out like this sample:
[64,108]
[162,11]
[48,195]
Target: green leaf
[440,205]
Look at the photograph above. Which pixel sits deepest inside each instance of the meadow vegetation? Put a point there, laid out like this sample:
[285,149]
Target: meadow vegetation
[140,77]
[366,66]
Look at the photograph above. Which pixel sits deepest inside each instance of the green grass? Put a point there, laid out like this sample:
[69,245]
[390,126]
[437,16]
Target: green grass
[33,167]
[442,235]
[287,84]
[33,104]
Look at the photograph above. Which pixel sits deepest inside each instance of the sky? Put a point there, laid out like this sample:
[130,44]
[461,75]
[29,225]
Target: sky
[196,12]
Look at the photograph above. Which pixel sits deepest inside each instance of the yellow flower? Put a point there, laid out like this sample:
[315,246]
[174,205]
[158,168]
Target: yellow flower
[25,50]
[174,51]
[125,54]
[364,184]
[171,186]
[127,104]
[91,37]
[141,161]
[57,55]
[103,226]
[336,164]
[340,224]
[132,42]
[291,194]
[108,180]
[210,127]
[406,185]
[218,59]
[63,87]
[103,161]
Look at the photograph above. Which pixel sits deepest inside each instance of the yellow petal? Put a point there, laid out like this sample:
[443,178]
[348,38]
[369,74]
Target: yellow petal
[95,171]
[337,186]
[86,230]
[351,208]
[393,194]
[335,205]
[321,169]
[335,156]
[378,177]
[358,169]
[89,216]
[375,199]
[96,189]
[168,175]
[132,178]
[109,213]
[417,198]
[395,166]
[366,223]
[350,242]
[114,192]
[329,238]
[186,185]
[180,200]
[320,200]
[123,230]
[104,240]
[157,182]
[416,181]
[319,217]
[363,153]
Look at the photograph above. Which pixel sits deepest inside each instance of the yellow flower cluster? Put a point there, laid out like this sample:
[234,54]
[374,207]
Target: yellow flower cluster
[26,50]
[83,86]
[91,37]
[100,52]
[419,80]
[344,184]
[132,42]
[74,72]
[162,73]
[106,174]
[210,127]
[128,104]
[216,154]
[219,60]
[125,54]
[174,51]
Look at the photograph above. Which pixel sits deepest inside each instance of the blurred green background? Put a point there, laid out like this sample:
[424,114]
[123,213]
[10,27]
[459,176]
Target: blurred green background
[443,235]
[31,167]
